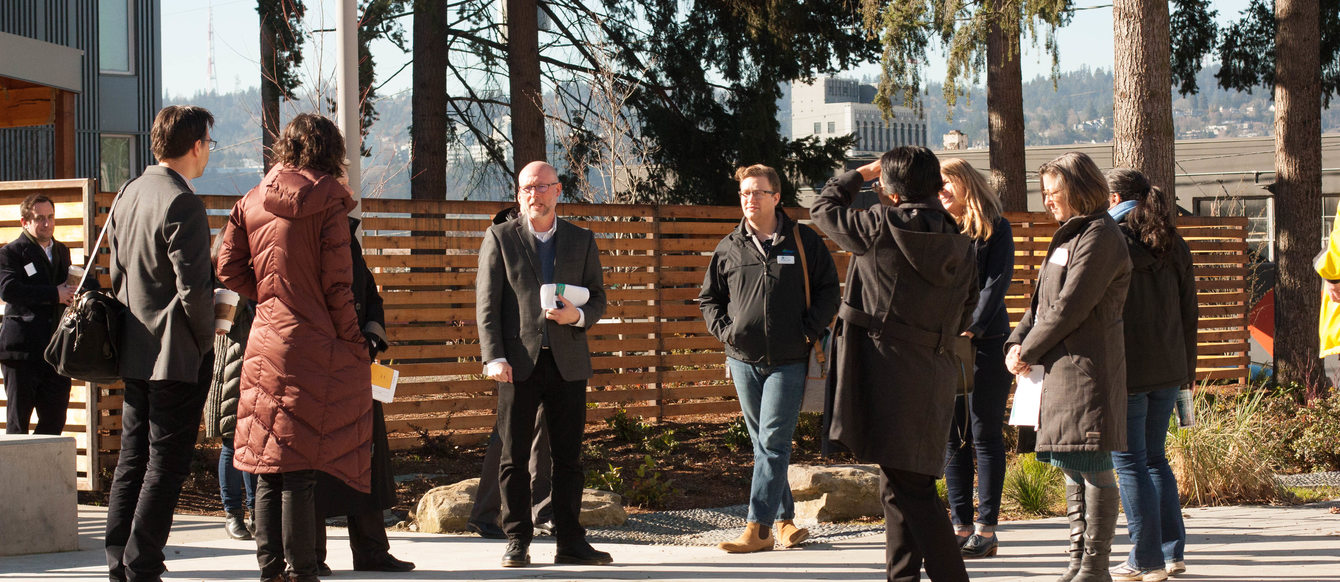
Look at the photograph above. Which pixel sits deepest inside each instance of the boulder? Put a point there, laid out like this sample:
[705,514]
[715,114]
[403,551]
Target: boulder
[602,509]
[830,493]
[447,508]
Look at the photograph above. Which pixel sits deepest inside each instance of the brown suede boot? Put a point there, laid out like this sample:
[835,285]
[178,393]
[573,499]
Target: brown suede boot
[789,534]
[756,538]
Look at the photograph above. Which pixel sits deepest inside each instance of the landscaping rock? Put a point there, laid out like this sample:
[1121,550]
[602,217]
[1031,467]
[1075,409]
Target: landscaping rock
[447,508]
[602,509]
[832,493]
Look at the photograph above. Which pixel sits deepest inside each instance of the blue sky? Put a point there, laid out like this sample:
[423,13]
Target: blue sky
[1086,42]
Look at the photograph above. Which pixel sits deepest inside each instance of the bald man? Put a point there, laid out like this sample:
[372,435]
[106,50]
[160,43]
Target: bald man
[539,356]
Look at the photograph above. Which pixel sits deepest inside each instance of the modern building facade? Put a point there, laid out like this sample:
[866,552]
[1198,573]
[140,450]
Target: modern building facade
[833,107]
[120,88]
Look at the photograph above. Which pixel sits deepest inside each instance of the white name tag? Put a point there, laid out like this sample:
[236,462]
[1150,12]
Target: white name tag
[1060,256]
[30,269]
[786,259]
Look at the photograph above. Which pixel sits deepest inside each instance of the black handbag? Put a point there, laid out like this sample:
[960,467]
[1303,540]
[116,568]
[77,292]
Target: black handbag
[86,343]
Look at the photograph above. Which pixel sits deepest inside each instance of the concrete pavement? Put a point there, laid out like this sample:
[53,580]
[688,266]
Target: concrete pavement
[1269,544]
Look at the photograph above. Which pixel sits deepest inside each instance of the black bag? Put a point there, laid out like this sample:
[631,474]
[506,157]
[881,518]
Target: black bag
[86,344]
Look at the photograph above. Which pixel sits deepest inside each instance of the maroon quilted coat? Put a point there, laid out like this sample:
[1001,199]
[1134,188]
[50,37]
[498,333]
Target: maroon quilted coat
[306,401]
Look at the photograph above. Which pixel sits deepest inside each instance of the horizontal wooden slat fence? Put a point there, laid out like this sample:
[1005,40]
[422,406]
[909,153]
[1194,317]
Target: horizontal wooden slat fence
[653,354]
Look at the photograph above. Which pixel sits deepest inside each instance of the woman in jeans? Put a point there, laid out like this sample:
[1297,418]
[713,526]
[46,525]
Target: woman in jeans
[978,417]
[1160,323]
[1073,330]
[755,300]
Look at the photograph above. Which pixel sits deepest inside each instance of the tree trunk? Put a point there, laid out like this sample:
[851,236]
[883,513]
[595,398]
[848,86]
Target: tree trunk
[523,67]
[1005,117]
[1297,189]
[1142,125]
[270,94]
[428,125]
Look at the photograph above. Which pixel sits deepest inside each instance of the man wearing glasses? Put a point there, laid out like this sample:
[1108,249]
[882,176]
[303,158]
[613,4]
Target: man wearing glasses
[160,268]
[539,356]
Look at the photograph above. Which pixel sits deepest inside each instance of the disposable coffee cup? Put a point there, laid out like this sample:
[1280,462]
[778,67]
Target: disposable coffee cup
[225,309]
[74,275]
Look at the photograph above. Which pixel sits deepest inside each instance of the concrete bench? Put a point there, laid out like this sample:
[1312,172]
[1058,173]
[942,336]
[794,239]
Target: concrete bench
[38,503]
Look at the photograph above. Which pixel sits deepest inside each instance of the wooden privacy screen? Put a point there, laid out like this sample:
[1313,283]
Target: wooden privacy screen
[653,354]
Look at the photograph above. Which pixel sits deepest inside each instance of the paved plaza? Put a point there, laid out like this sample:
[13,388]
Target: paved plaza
[1296,544]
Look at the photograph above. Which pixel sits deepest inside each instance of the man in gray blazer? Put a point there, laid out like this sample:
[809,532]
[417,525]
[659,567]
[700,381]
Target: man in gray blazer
[539,355]
[160,267]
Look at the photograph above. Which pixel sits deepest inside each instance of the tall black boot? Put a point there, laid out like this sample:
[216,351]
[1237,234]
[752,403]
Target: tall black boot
[1100,505]
[1074,507]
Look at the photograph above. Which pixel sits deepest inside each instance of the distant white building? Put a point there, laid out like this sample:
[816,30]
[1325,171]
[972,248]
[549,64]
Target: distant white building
[832,107]
[955,140]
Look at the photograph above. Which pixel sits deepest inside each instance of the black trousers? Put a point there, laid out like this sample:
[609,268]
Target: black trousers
[565,415]
[159,423]
[917,529]
[488,497]
[367,538]
[286,524]
[33,385]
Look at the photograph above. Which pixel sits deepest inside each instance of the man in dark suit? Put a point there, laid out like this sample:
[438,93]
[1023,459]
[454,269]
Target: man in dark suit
[539,355]
[160,268]
[32,284]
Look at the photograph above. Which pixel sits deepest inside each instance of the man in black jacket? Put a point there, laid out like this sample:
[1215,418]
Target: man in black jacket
[33,269]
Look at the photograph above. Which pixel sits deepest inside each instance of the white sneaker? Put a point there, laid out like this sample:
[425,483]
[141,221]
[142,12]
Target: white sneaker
[1125,571]
[1175,568]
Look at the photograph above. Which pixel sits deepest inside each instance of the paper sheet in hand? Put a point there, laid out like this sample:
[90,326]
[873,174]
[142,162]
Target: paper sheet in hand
[384,379]
[550,292]
[1027,398]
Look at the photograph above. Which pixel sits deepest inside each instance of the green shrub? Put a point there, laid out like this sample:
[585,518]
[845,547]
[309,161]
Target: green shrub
[663,443]
[809,432]
[737,435]
[942,491]
[607,480]
[626,428]
[646,488]
[1225,458]
[1032,486]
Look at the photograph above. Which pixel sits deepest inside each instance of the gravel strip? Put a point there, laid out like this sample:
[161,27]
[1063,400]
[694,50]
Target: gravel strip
[1331,479]
[708,527]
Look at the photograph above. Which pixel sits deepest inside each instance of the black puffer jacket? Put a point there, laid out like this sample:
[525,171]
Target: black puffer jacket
[756,305]
[1160,316]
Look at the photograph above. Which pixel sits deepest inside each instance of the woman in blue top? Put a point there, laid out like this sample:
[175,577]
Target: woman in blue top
[978,417]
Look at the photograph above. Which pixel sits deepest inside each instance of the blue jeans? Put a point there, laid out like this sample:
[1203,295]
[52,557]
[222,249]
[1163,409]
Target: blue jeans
[978,431]
[1148,487]
[233,482]
[770,400]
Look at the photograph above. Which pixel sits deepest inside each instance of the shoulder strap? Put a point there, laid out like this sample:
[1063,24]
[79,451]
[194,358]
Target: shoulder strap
[93,253]
[804,266]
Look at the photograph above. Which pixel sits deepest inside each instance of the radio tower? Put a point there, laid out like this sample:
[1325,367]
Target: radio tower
[213,79]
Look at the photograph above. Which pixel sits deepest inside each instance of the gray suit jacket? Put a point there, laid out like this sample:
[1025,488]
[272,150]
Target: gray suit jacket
[507,297]
[159,237]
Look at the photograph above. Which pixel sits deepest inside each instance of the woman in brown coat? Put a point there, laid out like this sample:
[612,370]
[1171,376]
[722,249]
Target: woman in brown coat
[1073,330]
[306,403]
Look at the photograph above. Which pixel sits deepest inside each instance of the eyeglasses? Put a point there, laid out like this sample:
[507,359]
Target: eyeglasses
[1053,194]
[756,193]
[538,188]
[213,144]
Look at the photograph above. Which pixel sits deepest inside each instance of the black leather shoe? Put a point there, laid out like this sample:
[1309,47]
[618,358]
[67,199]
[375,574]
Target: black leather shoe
[544,528]
[236,526]
[323,570]
[486,530]
[517,554]
[386,563]
[979,546]
[582,553]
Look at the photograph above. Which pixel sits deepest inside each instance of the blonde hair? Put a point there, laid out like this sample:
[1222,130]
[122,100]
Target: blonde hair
[981,204]
[760,171]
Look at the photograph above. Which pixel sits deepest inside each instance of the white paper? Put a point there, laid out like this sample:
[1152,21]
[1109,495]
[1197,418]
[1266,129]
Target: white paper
[1061,256]
[1027,398]
[384,380]
[574,294]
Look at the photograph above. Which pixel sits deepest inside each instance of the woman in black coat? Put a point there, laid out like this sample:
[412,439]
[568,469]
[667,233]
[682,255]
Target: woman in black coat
[1073,330]
[1160,323]
[911,288]
[979,417]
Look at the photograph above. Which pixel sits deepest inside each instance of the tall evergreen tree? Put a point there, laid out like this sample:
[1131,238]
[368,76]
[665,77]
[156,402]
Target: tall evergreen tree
[281,41]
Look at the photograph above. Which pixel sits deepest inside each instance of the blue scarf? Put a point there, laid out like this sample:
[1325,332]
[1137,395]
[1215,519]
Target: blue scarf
[1121,210]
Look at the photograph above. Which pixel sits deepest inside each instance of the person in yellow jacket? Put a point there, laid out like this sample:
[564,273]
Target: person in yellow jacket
[1327,265]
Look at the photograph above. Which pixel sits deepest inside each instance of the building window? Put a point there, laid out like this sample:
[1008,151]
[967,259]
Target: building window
[1260,213]
[114,33]
[832,127]
[818,126]
[116,161]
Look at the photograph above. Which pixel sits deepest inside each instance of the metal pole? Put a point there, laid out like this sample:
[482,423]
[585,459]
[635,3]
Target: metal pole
[346,83]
